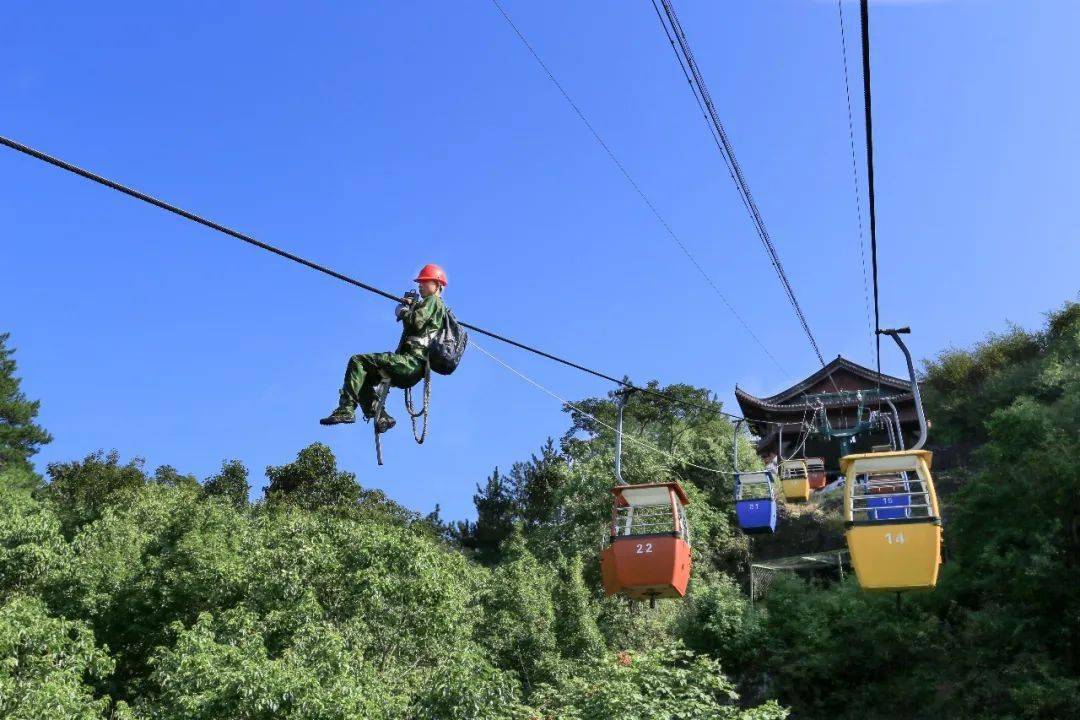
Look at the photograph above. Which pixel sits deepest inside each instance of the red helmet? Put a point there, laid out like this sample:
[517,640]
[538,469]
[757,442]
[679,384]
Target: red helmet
[431,271]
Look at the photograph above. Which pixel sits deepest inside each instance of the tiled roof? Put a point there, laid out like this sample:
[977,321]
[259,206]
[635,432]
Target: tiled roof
[782,400]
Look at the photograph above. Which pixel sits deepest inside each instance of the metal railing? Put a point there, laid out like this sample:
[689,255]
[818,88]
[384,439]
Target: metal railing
[643,520]
[797,472]
[873,496]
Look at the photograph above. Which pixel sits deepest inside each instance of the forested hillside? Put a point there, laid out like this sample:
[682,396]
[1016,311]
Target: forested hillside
[131,593]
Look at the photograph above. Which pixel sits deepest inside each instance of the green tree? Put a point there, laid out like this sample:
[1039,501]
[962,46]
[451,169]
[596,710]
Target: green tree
[222,669]
[537,484]
[312,481]
[82,490]
[44,664]
[168,475]
[664,683]
[231,484]
[519,618]
[962,388]
[468,687]
[575,612]
[495,514]
[20,436]
[717,619]
[33,552]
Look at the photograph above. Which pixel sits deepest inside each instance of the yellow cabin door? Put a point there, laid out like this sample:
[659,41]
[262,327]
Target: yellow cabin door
[896,556]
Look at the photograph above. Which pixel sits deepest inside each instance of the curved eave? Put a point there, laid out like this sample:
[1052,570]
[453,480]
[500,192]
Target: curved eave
[900,385]
[749,403]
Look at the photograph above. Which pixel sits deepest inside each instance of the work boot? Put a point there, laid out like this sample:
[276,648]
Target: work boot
[384,423]
[341,415]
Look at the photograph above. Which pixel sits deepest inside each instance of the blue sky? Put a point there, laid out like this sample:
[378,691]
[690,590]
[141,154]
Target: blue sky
[376,137]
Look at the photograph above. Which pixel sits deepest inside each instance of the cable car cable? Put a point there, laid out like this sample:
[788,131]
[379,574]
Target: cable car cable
[633,183]
[629,438]
[112,184]
[727,150]
[855,173]
[865,22]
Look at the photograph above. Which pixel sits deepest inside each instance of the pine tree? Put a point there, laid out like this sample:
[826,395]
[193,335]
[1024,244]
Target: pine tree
[536,486]
[495,513]
[20,436]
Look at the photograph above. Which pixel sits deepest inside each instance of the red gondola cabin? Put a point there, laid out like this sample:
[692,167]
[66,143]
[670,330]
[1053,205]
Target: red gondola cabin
[815,470]
[649,554]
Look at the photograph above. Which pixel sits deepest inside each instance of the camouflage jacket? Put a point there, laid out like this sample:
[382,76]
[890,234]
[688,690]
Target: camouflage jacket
[420,324]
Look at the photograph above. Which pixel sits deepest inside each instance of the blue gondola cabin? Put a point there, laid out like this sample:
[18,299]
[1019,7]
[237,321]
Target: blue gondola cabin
[755,501]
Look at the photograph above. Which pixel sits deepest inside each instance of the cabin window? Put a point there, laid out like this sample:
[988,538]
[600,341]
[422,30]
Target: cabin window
[644,520]
[889,495]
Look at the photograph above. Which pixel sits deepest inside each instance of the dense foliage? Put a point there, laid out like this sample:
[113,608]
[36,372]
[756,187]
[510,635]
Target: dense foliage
[146,595]
[1000,636]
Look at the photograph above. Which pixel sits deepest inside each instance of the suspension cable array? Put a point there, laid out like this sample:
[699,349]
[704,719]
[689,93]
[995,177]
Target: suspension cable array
[685,55]
[633,183]
[112,184]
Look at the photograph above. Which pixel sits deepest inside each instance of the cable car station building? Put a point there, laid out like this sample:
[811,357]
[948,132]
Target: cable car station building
[855,386]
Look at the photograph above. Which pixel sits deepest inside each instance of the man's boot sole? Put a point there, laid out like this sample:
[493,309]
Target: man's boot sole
[336,421]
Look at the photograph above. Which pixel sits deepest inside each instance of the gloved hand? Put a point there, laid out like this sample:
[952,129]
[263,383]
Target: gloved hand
[406,304]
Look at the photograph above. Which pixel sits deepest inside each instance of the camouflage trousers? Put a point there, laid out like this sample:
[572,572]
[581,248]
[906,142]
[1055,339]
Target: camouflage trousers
[364,373]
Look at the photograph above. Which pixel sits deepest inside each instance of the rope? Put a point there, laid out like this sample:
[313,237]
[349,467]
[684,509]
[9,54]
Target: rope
[598,421]
[633,183]
[74,169]
[413,415]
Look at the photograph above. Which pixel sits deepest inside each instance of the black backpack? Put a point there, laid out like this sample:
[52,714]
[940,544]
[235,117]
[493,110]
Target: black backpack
[448,345]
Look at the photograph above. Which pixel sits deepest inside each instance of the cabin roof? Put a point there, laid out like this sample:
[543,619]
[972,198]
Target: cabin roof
[649,493]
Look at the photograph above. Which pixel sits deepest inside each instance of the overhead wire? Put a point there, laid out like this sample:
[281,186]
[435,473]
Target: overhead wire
[684,53]
[598,421]
[633,183]
[169,207]
[855,172]
[865,24]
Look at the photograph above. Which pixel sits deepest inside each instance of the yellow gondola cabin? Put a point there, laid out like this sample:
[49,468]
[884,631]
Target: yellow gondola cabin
[892,521]
[795,480]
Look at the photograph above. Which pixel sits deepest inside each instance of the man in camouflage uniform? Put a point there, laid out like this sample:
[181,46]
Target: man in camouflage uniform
[421,316]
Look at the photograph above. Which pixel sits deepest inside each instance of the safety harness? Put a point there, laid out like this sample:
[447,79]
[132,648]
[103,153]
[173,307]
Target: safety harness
[382,390]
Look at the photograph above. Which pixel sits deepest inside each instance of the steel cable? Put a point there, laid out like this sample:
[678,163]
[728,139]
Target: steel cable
[101,180]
